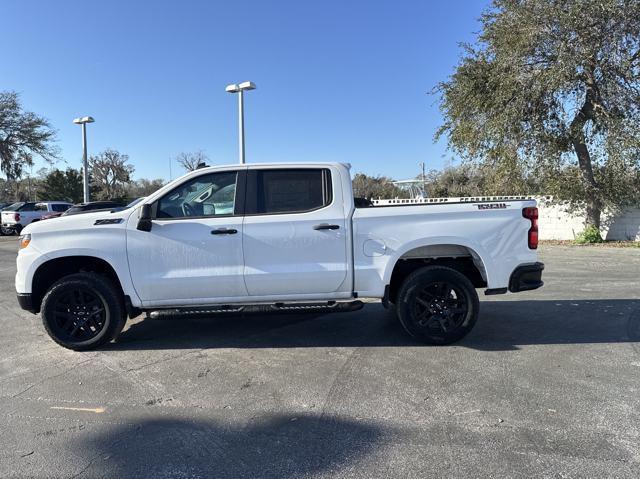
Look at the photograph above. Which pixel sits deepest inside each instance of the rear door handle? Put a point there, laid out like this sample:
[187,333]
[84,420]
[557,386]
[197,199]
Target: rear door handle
[224,231]
[326,226]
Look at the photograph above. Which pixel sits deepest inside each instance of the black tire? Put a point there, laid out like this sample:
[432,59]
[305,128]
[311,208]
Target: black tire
[437,305]
[83,311]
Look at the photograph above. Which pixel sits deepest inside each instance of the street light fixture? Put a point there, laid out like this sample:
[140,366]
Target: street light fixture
[85,167]
[240,89]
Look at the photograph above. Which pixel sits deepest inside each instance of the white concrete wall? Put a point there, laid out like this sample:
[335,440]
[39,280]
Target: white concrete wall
[558,222]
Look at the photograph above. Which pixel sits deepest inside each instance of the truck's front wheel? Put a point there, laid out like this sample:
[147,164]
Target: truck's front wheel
[83,311]
[437,305]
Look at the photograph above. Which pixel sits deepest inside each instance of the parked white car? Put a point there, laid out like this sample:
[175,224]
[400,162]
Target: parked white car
[274,238]
[21,214]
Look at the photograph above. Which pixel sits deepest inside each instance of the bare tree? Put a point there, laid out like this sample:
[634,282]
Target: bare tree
[110,172]
[190,161]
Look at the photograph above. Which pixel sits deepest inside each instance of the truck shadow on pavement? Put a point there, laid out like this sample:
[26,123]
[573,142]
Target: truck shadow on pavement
[503,325]
[280,446]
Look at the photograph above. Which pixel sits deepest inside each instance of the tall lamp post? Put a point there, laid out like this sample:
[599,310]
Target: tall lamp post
[239,89]
[85,167]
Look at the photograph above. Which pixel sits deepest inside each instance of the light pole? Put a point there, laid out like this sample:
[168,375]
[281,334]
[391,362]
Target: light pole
[85,167]
[239,89]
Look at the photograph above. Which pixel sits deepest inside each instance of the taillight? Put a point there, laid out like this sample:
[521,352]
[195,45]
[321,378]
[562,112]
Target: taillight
[531,214]
[16,217]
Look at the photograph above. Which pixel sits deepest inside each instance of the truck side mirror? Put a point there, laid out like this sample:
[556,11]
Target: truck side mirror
[144,218]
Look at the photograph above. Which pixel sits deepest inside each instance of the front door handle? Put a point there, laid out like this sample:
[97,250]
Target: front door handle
[326,226]
[224,231]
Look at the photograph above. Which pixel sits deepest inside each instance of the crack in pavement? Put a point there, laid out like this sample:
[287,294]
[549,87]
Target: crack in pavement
[49,377]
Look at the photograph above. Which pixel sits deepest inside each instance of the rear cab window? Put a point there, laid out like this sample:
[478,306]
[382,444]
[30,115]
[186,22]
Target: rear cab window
[14,206]
[28,207]
[288,190]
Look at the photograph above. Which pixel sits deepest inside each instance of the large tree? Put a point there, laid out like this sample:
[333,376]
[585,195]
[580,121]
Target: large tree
[479,180]
[110,173]
[23,134]
[553,88]
[62,185]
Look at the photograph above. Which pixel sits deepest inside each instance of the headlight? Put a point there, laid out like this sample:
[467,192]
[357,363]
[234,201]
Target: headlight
[24,241]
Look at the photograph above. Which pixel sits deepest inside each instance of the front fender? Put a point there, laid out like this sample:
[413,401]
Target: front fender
[30,259]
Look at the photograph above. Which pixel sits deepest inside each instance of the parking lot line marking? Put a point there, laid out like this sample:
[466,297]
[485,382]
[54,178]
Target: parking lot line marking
[97,410]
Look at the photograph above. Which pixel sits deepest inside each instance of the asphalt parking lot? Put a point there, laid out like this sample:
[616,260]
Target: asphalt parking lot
[547,385]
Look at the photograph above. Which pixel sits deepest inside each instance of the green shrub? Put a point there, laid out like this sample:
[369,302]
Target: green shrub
[590,235]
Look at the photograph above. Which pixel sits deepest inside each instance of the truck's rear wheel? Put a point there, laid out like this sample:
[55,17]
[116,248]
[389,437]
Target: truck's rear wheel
[83,311]
[437,305]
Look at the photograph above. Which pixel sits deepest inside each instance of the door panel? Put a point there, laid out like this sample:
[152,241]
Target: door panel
[193,253]
[183,260]
[294,253]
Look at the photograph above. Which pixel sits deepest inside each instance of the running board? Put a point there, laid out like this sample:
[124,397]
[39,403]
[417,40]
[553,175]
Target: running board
[276,308]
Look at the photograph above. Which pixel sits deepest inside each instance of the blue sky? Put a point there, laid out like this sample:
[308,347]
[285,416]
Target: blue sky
[337,80]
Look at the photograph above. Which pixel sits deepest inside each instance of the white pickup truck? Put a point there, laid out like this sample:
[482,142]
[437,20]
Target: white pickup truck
[274,238]
[18,215]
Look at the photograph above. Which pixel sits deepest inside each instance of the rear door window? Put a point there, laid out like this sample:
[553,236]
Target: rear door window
[295,190]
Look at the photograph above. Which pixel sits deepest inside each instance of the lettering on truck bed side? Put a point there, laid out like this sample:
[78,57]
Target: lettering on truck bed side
[491,206]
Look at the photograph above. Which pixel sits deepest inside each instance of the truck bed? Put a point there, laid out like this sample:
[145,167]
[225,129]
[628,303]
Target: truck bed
[491,228]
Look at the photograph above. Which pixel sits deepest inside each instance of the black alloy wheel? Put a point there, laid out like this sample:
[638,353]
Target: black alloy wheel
[79,315]
[83,311]
[437,305]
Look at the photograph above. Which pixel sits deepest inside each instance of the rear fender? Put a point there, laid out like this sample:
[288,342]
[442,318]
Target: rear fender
[436,247]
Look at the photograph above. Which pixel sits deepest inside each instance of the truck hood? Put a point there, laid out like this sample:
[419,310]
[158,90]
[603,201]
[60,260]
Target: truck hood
[76,222]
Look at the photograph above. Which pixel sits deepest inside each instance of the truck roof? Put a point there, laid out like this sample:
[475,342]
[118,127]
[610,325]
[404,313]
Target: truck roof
[280,164]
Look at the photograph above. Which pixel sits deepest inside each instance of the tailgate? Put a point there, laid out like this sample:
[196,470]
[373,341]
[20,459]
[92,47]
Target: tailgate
[8,217]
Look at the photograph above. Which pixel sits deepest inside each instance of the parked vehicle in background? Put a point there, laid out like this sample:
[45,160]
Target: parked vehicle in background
[274,238]
[21,214]
[11,206]
[135,202]
[7,207]
[93,206]
[88,207]
[49,216]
